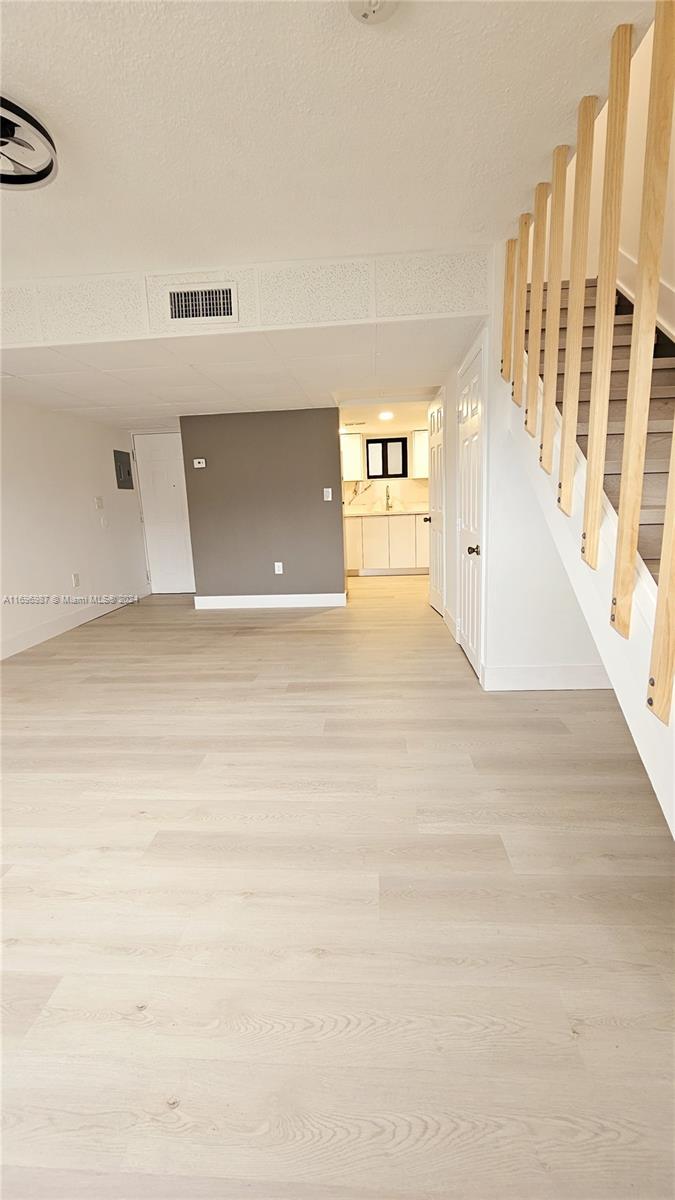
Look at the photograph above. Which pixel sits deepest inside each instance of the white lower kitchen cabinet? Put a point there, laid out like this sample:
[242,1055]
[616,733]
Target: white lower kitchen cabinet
[387,545]
[402,542]
[422,528]
[375,543]
[354,543]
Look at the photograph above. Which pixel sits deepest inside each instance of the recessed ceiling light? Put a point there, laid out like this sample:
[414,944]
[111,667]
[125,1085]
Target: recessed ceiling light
[386,416]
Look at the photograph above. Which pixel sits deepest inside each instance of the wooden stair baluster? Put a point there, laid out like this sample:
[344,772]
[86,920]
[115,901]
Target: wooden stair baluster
[552,339]
[524,223]
[541,194]
[577,296]
[507,311]
[657,153]
[603,343]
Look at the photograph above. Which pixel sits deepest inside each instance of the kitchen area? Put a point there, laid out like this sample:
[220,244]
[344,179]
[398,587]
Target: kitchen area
[385,488]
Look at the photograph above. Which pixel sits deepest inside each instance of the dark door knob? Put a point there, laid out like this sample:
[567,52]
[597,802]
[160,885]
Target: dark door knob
[473,550]
[427,519]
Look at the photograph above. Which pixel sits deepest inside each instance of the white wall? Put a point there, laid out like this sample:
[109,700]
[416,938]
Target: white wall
[535,634]
[53,465]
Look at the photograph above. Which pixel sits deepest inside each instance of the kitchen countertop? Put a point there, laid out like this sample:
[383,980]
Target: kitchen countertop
[407,512]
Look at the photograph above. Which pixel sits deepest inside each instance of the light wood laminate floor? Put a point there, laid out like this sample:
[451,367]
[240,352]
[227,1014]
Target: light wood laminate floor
[294,911]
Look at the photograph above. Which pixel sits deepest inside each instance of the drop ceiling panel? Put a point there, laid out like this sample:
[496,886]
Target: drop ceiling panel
[223,348]
[327,342]
[187,395]
[119,356]
[336,362]
[93,385]
[34,391]
[442,340]
[150,378]
[37,361]
[414,376]
[327,374]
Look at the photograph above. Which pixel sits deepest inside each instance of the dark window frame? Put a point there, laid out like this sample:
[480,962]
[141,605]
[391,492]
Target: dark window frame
[385,442]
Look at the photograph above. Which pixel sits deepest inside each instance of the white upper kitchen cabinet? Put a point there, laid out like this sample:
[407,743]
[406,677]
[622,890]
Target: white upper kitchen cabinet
[420,454]
[351,453]
[375,543]
[402,542]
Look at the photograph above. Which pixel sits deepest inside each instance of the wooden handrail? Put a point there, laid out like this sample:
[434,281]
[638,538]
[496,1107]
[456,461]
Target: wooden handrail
[657,153]
[603,340]
[552,340]
[541,194]
[507,317]
[577,297]
[524,223]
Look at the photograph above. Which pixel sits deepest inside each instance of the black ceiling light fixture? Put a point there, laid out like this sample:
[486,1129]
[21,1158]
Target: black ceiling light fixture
[27,150]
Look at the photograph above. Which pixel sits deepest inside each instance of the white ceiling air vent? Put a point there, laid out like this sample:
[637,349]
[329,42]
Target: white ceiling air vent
[204,304]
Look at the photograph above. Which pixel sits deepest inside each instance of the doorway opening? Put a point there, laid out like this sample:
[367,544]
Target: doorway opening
[392,488]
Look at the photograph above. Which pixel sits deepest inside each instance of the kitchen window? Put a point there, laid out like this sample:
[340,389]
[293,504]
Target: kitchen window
[387,458]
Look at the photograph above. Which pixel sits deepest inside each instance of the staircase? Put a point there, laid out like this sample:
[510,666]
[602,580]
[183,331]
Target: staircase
[592,418]
[661,411]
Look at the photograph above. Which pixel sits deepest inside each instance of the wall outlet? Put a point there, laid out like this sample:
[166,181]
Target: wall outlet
[76,579]
[98,501]
[328,493]
[198,462]
[278,568]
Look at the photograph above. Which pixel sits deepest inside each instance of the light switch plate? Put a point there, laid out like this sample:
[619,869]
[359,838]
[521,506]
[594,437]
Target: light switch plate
[98,501]
[278,568]
[328,493]
[199,462]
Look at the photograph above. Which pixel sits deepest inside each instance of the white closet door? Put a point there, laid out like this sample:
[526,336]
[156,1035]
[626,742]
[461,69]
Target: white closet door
[161,479]
[436,506]
[469,508]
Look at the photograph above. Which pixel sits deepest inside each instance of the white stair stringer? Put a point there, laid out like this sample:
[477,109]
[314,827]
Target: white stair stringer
[626,660]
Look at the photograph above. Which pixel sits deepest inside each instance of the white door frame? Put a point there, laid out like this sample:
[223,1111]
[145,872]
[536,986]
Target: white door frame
[480,342]
[440,400]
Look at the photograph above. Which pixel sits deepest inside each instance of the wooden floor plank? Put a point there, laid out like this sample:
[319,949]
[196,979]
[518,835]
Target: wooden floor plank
[293,910]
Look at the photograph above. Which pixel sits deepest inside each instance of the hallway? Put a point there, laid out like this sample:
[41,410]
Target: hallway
[294,911]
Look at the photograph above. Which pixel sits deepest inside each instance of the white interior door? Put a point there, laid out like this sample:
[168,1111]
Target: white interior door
[436,505]
[161,479]
[469,507]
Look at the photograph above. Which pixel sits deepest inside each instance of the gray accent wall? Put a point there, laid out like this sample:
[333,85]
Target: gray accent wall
[259,500]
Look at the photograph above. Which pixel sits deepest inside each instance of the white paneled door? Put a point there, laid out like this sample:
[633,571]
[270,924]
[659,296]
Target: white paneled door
[436,505]
[161,478]
[469,506]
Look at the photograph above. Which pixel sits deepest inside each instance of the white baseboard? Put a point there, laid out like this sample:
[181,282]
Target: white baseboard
[301,600]
[68,619]
[553,678]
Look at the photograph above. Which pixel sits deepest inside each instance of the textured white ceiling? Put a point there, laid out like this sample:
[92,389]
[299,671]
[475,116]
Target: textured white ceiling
[151,382]
[191,134]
